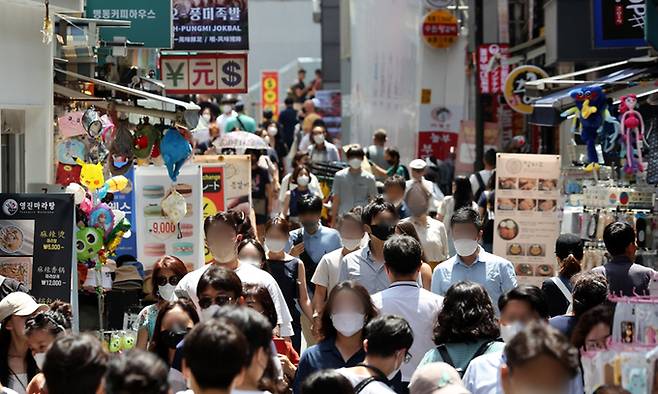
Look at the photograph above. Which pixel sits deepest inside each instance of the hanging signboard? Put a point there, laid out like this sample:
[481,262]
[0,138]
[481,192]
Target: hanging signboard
[438,130]
[150,21]
[526,222]
[211,25]
[440,29]
[619,23]
[329,107]
[156,234]
[514,91]
[37,243]
[126,202]
[212,73]
[269,88]
[491,68]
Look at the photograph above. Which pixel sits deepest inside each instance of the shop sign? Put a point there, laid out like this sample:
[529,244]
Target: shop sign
[491,68]
[125,202]
[619,23]
[440,29]
[269,87]
[515,87]
[651,23]
[211,25]
[213,73]
[37,243]
[151,21]
[437,144]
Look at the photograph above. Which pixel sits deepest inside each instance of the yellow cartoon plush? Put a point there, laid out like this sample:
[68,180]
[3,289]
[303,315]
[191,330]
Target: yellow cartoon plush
[91,175]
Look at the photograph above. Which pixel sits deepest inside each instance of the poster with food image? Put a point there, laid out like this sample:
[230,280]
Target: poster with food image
[157,234]
[526,214]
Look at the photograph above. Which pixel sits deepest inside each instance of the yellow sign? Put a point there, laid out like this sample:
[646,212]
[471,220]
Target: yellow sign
[426,96]
[270,91]
[440,29]
[515,87]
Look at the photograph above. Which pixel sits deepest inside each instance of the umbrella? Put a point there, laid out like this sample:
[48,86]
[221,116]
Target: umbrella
[240,140]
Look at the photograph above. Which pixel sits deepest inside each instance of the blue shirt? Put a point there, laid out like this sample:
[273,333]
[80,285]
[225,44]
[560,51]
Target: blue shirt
[323,241]
[494,273]
[324,355]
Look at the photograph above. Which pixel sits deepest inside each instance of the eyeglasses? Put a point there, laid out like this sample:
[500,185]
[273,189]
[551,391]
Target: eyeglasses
[220,300]
[597,344]
[162,280]
[407,358]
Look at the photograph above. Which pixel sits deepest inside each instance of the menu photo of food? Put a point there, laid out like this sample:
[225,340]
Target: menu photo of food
[16,237]
[19,268]
[547,185]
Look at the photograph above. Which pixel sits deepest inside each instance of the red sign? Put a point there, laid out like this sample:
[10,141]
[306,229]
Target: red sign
[440,29]
[213,189]
[211,73]
[491,69]
[436,144]
[269,89]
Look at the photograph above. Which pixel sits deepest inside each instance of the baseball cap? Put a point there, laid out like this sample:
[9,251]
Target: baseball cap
[418,164]
[436,378]
[19,304]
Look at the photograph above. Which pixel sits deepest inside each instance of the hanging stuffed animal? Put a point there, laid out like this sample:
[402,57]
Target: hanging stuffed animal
[145,141]
[632,132]
[175,151]
[91,175]
[121,151]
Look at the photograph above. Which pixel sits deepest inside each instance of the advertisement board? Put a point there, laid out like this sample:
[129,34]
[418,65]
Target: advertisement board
[212,73]
[218,25]
[619,23]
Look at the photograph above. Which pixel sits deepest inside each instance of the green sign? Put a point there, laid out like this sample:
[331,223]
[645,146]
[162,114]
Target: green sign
[151,20]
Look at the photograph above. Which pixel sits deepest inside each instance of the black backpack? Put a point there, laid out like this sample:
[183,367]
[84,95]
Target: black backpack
[481,186]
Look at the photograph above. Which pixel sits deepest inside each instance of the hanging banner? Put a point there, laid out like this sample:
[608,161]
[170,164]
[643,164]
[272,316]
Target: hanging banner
[515,87]
[329,107]
[269,89]
[436,144]
[156,234]
[440,29]
[619,23]
[218,25]
[526,222]
[126,202]
[212,73]
[491,68]
[466,147]
[37,243]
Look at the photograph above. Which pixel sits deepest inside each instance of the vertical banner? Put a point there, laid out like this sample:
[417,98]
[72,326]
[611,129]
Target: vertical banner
[156,234]
[269,91]
[126,203]
[36,243]
[491,68]
[330,108]
[526,222]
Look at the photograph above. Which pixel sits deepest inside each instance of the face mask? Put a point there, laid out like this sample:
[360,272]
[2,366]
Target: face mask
[310,226]
[382,230]
[351,243]
[166,291]
[508,331]
[209,312]
[275,245]
[256,263]
[171,338]
[206,118]
[227,108]
[272,131]
[355,163]
[348,323]
[466,247]
[303,180]
[318,138]
[39,358]
[418,209]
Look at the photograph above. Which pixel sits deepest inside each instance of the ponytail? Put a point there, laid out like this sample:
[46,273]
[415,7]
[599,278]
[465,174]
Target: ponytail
[569,266]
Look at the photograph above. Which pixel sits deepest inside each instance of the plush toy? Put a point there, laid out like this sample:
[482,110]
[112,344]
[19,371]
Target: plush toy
[632,132]
[115,184]
[146,138]
[68,150]
[91,175]
[77,191]
[121,152]
[88,244]
[175,151]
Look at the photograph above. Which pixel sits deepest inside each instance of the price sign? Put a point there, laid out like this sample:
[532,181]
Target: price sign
[206,73]
[162,229]
[515,87]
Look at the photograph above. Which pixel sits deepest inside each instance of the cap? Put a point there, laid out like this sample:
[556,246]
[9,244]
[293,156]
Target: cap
[418,164]
[19,304]
[436,378]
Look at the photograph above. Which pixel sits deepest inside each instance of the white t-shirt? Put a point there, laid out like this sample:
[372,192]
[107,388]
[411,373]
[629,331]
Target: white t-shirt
[328,270]
[286,185]
[247,274]
[475,185]
[433,237]
[372,388]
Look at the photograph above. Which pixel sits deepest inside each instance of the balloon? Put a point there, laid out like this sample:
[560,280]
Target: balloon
[91,175]
[77,191]
[89,242]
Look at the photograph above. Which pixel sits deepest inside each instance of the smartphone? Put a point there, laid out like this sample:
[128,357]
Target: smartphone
[280,345]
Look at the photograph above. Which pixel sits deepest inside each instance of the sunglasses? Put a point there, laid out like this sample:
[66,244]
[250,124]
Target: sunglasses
[42,318]
[220,300]
[163,280]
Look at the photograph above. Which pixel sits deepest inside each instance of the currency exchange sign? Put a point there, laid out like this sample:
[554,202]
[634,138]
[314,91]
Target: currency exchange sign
[215,73]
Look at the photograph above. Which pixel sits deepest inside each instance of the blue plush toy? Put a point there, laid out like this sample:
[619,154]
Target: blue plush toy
[175,151]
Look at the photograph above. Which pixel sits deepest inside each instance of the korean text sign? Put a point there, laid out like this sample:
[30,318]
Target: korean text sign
[218,25]
[212,73]
[37,243]
[126,202]
[491,69]
[619,23]
[151,21]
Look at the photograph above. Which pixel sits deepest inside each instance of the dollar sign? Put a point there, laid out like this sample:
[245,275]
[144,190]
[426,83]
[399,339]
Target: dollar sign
[232,77]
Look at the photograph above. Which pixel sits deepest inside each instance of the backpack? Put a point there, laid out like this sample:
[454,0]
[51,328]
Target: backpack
[489,216]
[481,186]
[443,351]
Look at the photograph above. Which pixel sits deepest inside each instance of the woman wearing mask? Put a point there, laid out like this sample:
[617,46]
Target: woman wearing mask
[167,272]
[392,157]
[348,309]
[431,232]
[300,159]
[289,273]
[301,177]
[17,364]
[462,196]
[174,321]
[405,227]
[250,251]
[557,290]
[276,142]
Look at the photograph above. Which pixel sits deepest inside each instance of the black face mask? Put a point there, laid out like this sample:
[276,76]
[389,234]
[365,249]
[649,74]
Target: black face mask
[171,338]
[383,230]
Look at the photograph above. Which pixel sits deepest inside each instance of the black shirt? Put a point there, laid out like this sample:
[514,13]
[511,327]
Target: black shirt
[557,302]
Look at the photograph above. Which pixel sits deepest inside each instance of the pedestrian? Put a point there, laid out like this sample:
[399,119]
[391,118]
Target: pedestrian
[227,102]
[251,251]
[166,274]
[310,116]
[405,298]
[241,121]
[394,192]
[387,340]
[348,309]
[534,351]
[174,321]
[289,273]
[624,276]
[327,381]
[287,183]
[405,227]
[437,378]
[301,178]
[321,150]
[471,262]
[288,120]
[75,363]
[136,371]
[261,192]
[487,209]
[589,290]
[418,168]
[432,233]
[594,328]
[316,84]
[352,186]
[557,290]
[465,328]
[462,197]
[376,152]
[480,179]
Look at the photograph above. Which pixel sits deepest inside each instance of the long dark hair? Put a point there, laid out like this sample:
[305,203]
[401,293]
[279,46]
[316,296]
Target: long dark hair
[5,341]
[602,314]
[463,194]
[157,346]
[263,297]
[327,328]
[406,227]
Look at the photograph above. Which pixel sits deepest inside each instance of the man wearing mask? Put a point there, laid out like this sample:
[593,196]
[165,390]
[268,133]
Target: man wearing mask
[241,121]
[352,186]
[321,150]
[418,167]
[394,191]
[227,112]
[472,263]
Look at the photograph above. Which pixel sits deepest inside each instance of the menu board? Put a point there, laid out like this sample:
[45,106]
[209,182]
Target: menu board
[37,243]
[156,234]
[526,220]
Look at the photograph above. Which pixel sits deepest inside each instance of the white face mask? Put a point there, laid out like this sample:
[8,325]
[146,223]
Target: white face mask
[206,118]
[508,331]
[466,247]
[209,312]
[355,163]
[275,245]
[272,131]
[318,138]
[226,108]
[256,263]
[166,291]
[39,358]
[303,180]
[351,243]
[348,323]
